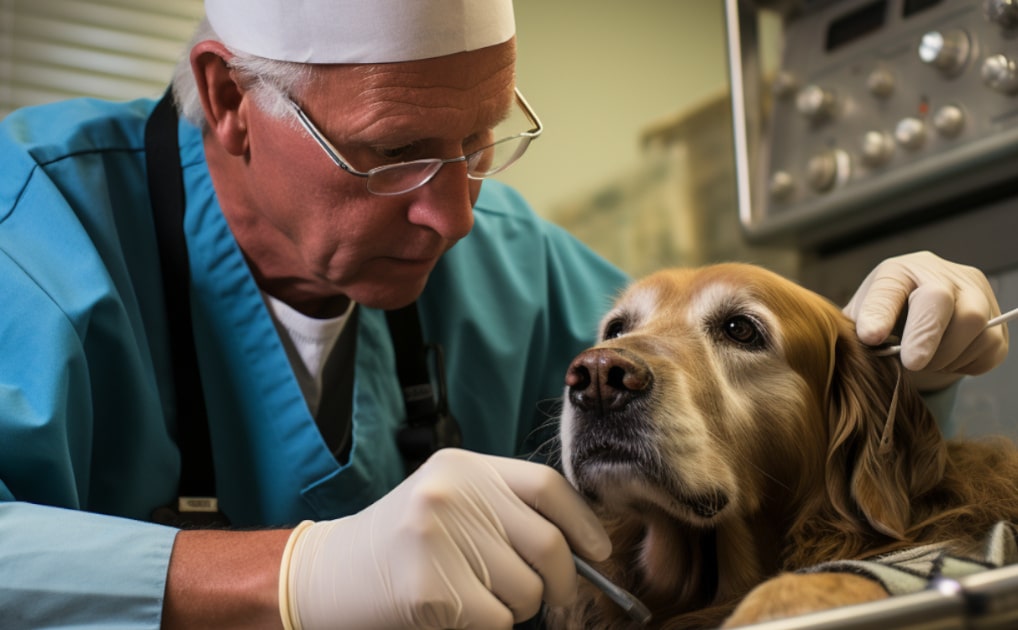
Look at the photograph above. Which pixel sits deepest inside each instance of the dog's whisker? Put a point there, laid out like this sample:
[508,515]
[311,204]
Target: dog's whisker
[548,450]
[770,476]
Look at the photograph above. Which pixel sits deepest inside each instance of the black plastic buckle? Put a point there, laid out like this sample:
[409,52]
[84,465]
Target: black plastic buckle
[191,513]
[417,443]
[430,425]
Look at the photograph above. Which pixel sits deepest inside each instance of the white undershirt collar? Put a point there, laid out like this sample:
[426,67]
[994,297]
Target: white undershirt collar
[308,342]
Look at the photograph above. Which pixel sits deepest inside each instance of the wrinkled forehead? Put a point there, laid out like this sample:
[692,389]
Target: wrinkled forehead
[428,101]
[490,66]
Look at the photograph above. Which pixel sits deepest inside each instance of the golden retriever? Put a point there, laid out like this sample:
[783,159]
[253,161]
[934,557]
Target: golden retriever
[730,429]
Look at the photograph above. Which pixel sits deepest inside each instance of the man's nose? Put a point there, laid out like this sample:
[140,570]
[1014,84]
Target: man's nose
[446,203]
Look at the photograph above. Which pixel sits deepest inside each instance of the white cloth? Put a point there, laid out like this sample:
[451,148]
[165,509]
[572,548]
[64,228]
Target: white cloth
[309,342]
[360,31]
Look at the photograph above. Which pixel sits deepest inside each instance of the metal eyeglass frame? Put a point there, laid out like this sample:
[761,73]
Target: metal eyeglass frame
[434,164]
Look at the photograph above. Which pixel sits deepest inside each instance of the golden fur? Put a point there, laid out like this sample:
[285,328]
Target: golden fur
[730,427]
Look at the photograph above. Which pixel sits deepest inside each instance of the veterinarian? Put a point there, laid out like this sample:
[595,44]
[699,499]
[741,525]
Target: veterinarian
[203,326]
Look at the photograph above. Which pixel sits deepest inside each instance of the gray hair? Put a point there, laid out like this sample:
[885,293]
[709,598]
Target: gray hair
[267,79]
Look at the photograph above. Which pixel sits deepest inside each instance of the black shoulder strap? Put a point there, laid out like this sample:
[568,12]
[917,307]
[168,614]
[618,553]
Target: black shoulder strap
[197,490]
[430,425]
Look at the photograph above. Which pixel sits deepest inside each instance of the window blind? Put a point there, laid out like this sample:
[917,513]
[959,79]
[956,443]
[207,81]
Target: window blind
[110,49]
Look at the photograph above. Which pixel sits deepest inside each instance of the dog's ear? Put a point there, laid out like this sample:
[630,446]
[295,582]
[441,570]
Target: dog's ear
[886,449]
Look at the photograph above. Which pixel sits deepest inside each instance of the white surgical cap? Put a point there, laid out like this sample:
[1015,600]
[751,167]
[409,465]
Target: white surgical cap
[359,31]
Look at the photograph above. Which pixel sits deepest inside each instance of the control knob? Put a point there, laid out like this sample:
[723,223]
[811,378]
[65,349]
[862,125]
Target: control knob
[784,85]
[949,120]
[910,133]
[782,186]
[877,148]
[815,103]
[828,169]
[946,51]
[1000,73]
[1002,12]
[880,83]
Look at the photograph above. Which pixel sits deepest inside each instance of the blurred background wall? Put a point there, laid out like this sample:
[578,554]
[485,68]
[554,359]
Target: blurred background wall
[599,72]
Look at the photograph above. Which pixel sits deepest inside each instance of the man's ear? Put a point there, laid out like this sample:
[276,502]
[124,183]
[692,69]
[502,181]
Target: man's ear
[222,97]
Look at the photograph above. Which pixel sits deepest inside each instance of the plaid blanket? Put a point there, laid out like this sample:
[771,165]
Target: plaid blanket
[912,570]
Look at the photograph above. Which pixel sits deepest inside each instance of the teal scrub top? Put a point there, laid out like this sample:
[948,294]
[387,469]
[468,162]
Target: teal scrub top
[87,418]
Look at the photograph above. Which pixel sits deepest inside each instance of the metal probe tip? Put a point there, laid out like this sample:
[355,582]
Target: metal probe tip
[626,600]
[890,350]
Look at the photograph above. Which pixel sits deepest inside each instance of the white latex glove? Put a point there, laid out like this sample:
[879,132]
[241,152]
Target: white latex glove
[467,541]
[948,307]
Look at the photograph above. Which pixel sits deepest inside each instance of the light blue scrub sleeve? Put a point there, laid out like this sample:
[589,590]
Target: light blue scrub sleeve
[84,585]
[81,422]
[61,567]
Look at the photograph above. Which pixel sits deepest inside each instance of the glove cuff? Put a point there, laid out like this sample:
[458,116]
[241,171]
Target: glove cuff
[285,609]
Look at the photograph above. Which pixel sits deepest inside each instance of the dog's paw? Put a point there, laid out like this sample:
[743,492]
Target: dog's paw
[791,594]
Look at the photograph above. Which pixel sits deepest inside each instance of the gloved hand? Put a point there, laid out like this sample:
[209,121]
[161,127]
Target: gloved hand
[948,307]
[467,541]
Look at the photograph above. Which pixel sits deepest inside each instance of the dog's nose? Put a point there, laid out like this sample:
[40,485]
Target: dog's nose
[606,379]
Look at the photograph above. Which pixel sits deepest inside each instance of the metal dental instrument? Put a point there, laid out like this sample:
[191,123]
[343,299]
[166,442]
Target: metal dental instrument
[996,321]
[633,607]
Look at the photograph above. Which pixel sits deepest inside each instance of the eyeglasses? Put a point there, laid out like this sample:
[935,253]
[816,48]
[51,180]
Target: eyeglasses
[402,177]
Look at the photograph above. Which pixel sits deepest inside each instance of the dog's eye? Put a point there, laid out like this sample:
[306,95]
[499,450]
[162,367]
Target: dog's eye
[614,328]
[744,331]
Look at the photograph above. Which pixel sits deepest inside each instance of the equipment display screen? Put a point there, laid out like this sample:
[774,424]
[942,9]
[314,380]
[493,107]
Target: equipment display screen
[856,24]
[915,6]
